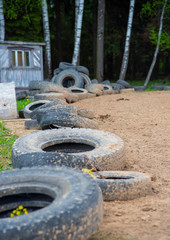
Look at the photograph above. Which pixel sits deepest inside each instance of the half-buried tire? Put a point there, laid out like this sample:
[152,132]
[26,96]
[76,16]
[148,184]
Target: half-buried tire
[123,185]
[62,203]
[103,150]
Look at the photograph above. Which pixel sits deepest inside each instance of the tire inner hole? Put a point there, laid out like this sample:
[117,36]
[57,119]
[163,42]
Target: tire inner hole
[36,106]
[69,147]
[31,201]
[68,82]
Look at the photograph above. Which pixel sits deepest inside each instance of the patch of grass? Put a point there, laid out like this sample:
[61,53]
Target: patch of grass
[22,103]
[6,142]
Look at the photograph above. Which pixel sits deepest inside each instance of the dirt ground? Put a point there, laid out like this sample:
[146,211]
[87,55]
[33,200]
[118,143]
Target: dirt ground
[142,120]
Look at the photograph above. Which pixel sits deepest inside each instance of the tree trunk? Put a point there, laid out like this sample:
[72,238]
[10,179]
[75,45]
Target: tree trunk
[78,26]
[58,30]
[157,47]
[100,40]
[127,41]
[94,27]
[2,22]
[48,70]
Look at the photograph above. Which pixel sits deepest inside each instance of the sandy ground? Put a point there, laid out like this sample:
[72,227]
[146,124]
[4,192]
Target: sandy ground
[142,120]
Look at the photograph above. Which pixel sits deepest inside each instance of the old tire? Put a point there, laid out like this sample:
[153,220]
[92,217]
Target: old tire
[68,78]
[62,203]
[32,106]
[59,108]
[124,83]
[80,92]
[103,149]
[82,69]
[123,185]
[60,119]
[66,65]
[32,124]
[49,96]
[88,113]
[107,90]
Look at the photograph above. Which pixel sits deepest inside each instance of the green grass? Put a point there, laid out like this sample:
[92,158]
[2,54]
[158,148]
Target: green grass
[22,103]
[6,142]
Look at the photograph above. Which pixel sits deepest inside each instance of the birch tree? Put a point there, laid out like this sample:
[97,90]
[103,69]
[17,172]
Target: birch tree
[127,41]
[100,40]
[157,47]
[79,8]
[2,22]
[48,70]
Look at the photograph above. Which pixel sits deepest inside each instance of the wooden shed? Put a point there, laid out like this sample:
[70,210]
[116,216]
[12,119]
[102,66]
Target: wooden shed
[21,62]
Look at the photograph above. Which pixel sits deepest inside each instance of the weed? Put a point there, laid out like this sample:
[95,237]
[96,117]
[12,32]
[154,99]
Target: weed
[6,143]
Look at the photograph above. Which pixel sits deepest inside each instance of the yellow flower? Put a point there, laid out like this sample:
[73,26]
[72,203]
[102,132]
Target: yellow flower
[11,215]
[89,171]
[20,207]
[14,211]
[7,139]
[18,213]
[0,121]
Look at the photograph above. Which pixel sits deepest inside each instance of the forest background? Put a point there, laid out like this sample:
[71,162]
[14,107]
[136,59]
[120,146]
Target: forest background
[23,22]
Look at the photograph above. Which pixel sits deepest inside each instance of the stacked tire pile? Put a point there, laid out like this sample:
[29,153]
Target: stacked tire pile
[64,202]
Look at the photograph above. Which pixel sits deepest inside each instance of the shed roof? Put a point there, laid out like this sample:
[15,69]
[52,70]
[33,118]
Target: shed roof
[22,43]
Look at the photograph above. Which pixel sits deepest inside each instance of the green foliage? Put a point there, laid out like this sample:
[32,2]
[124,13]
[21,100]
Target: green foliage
[23,20]
[6,143]
[22,103]
[165,39]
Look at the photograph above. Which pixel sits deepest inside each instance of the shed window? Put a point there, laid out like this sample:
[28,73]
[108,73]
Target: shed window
[20,58]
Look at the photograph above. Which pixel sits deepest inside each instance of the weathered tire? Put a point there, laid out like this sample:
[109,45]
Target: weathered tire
[80,92]
[123,185]
[103,149]
[59,108]
[32,124]
[62,203]
[139,88]
[68,78]
[36,85]
[94,81]
[88,113]
[66,65]
[48,96]
[124,83]
[107,89]
[106,82]
[51,87]
[157,87]
[56,71]
[21,94]
[32,106]
[86,79]
[60,119]
[82,69]
[91,88]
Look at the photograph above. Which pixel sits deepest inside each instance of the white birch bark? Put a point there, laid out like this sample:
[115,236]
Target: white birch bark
[46,29]
[78,26]
[127,41]
[100,40]
[157,47]
[2,22]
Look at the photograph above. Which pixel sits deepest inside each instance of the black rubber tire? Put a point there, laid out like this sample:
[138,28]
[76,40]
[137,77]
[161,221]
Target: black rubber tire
[68,78]
[124,83]
[66,65]
[166,87]
[139,88]
[82,69]
[60,119]
[56,71]
[32,124]
[86,79]
[157,87]
[59,108]
[36,85]
[32,106]
[80,92]
[21,114]
[106,150]
[107,89]
[123,185]
[106,82]
[94,81]
[21,94]
[69,204]
[49,96]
